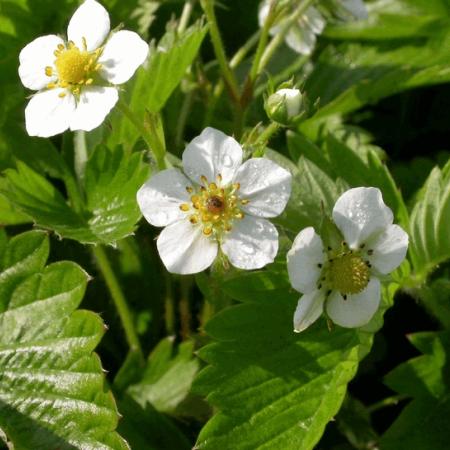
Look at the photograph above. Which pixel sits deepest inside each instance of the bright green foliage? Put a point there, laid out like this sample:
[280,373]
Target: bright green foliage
[423,424]
[430,239]
[167,379]
[376,71]
[111,181]
[273,389]
[167,66]
[52,388]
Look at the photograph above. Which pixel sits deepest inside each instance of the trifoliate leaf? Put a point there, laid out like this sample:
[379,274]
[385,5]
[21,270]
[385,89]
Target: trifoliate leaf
[52,388]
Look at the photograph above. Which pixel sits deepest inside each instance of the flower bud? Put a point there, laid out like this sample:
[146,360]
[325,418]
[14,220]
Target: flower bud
[285,106]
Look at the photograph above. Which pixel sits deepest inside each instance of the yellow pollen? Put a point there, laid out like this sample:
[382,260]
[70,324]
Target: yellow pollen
[215,207]
[71,65]
[74,67]
[349,274]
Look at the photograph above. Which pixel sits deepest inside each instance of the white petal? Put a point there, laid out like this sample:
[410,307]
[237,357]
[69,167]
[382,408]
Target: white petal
[93,106]
[161,196]
[251,244]
[210,154]
[34,58]
[263,12]
[357,309]
[309,309]
[389,249]
[266,185]
[356,8]
[314,20]
[124,52]
[184,249]
[301,40]
[90,21]
[48,114]
[360,213]
[303,260]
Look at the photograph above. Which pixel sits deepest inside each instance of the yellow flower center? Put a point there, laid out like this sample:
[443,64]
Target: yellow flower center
[74,67]
[348,273]
[214,207]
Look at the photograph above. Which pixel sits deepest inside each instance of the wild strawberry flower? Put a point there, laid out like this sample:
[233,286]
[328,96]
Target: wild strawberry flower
[344,279]
[218,201]
[301,36]
[76,79]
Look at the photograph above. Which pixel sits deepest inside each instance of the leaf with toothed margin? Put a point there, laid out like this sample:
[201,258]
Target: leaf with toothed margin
[111,181]
[273,388]
[52,387]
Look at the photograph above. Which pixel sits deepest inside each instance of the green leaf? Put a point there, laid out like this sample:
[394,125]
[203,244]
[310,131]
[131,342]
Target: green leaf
[154,84]
[430,219]
[395,19]
[313,192]
[363,74]
[423,423]
[356,165]
[111,181]
[274,388]
[52,389]
[167,379]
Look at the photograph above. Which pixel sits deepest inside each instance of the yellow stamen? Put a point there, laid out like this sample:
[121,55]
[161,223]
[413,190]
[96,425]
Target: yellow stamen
[184,207]
[48,71]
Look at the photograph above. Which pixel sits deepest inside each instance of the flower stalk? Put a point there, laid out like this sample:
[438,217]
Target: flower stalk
[118,299]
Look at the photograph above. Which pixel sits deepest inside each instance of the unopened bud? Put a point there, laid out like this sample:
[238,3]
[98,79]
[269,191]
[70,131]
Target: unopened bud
[285,106]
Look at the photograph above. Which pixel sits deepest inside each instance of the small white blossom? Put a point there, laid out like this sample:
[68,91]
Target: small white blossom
[302,34]
[345,279]
[76,79]
[218,201]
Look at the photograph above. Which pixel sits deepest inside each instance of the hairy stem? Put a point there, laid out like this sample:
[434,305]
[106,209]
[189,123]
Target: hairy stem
[118,298]
[151,138]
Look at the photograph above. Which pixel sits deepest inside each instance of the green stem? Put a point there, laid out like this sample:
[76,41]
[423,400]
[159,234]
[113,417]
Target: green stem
[262,43]
[234,62]
[265,136]
[185,15]
[227,73]
[279,37]
[73,190]
[118,298]
[389,401]
[152,139]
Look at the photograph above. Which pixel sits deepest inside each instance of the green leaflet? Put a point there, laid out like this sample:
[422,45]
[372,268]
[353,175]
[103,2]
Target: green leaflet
[52,388]
[430,240]
[376,71]
[423,424]
[274,389]
[153,84]
[111,181]
[167,379]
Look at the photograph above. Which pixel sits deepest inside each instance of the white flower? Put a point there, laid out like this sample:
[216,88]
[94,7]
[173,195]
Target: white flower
[217,202]
[301,36]
[76,79]
[345,279]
